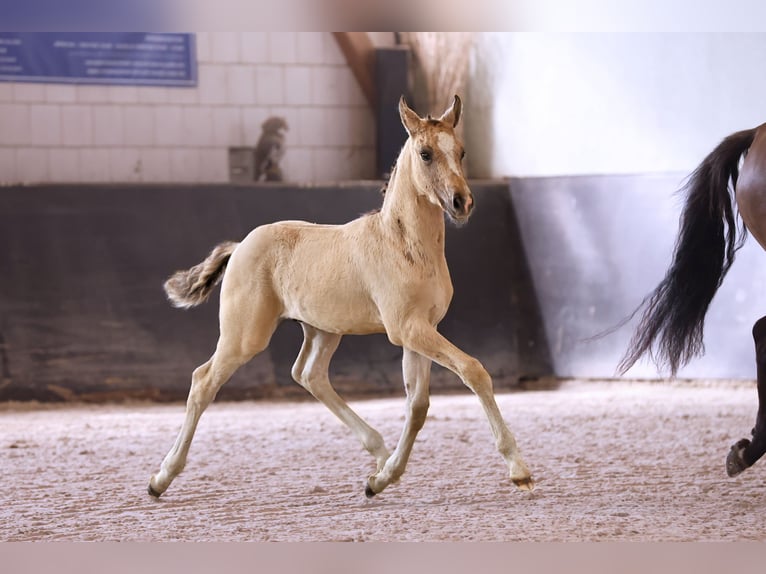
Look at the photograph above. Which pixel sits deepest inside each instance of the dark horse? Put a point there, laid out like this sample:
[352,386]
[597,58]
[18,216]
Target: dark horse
[671,327]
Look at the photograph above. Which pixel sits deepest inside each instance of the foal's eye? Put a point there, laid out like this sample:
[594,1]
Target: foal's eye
[462,155]
[425,155]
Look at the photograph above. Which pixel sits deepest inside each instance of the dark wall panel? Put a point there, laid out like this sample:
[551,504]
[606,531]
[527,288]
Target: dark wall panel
[83,314]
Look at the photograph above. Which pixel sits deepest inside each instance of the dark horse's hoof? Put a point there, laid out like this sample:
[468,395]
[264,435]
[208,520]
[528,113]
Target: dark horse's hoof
[735,462]
[153,492]
[368,491]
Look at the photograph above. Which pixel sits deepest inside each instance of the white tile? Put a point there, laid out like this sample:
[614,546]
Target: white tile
[44,125]
[224,47]
[336,85]
[214,165]
[212,84]
[152,95]
[297,165]
[312,128]
[168,126]
[139,125]
[298,85]
[310,47]
[14,119]
[6,92]
[330,165]
[325,88]
[32,165]
[350,90]
[108,128]
[362,163]
[155,165]
[60,93]
[252,118]
[254,47]
[269,85]
[332,53]
[240,83]
[94,165]
[283,47]
[7,165]
[185,165]
[197,124]
[64,165]
[182,96]
[340,133]
[202,42]
[76,126]
[123,94]
[227,127]
[124,165]
[28,92]
[92,94]
[362,126]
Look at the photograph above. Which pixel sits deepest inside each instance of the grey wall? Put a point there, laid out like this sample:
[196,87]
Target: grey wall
[83,315]
[596,245]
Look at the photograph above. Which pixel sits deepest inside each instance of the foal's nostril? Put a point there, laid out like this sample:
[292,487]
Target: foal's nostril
[458,202]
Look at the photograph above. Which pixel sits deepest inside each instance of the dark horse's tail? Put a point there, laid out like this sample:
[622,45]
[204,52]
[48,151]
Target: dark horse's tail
[671,327]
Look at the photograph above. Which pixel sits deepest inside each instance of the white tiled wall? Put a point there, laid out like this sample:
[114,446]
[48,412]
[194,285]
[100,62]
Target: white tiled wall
[63,133]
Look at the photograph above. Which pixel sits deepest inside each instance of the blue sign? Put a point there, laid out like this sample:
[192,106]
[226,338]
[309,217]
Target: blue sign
[127,58]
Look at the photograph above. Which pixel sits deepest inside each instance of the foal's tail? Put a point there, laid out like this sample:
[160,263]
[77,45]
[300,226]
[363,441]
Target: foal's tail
[193,287]
[674,313]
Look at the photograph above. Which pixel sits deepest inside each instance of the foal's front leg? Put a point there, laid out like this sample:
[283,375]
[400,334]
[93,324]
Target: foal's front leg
[417,375]
[425,340]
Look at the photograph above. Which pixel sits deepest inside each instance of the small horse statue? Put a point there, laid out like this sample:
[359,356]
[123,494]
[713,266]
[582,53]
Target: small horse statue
[673,318]
[270,150]
[384,272]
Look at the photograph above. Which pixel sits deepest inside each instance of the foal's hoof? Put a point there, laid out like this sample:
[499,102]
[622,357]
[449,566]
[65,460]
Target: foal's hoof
[526,484]
[153,492]
[368,491]
[735,461]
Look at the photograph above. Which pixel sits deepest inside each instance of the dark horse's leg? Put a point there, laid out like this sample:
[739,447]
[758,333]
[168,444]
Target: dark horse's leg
[746,452]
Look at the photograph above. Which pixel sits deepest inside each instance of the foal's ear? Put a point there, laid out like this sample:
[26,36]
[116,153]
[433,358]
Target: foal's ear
[452,115]
[410,120]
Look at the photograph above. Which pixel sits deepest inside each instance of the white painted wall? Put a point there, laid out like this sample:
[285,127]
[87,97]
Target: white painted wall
[541,104]
[83,133]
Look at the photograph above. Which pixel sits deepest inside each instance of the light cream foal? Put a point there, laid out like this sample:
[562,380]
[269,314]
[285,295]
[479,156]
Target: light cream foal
[384,272]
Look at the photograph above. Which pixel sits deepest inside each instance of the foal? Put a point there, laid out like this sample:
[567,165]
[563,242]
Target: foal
[384,272]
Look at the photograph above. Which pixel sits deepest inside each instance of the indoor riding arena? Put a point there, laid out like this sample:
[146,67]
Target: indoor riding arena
[126,157]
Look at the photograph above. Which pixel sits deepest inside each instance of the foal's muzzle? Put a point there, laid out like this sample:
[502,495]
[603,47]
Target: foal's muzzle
[461,206]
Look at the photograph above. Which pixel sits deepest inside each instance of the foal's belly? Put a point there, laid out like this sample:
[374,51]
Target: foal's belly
[338,318]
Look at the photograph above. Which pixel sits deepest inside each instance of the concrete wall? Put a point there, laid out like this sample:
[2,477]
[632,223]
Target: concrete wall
[65,133]
[83,314]
[549,104]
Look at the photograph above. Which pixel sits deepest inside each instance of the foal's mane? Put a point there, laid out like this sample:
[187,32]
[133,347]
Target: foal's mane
[386,183]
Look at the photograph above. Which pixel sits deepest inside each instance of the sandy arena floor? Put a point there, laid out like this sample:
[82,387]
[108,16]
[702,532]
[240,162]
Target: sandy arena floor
[613,461]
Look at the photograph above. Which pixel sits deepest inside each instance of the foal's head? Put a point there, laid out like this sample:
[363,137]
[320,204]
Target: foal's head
[433,155]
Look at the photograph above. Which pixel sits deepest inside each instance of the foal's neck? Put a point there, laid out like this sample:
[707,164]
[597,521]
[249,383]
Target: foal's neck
[409,212]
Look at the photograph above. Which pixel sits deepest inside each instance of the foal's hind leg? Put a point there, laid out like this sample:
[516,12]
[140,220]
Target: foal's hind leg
[417,375]
[746,452]
[311,372]
[245,332]
[423,338]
